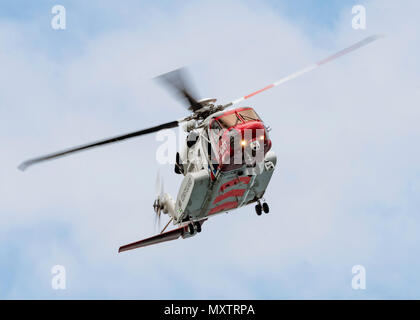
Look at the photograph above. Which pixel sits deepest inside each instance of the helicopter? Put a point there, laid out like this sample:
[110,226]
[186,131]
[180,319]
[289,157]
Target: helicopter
[226,159]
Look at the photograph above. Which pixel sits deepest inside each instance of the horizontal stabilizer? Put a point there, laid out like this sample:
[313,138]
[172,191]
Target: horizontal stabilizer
[162,237]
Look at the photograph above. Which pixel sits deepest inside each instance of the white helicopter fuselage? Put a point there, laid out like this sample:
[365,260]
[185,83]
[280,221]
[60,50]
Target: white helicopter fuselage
[210,188]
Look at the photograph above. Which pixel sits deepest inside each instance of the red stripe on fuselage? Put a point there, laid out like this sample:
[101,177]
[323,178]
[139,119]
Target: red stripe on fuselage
[231,193]
[224,207]
[244,180]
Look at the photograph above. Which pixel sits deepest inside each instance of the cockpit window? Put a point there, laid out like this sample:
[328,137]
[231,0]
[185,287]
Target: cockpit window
[229,120]
[249,115]
[215,125]
[215,128]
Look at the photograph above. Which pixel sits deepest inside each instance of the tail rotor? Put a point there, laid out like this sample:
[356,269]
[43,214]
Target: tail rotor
[158,204]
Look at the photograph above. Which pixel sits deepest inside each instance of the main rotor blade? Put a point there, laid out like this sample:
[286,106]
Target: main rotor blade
[178,80]
[59,154]
[309,68]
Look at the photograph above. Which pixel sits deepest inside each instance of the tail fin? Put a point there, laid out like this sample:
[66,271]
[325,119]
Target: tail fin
[185,231]
[162,237]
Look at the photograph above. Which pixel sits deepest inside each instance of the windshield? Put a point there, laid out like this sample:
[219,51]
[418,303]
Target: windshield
[249,115]
[229,120]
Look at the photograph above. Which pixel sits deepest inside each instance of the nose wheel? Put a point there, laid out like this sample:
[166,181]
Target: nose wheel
[194,227]
[198,226]
[259,208]
[191,228]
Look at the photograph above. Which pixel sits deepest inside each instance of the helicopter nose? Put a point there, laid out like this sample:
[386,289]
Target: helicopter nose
[253,135]
[255,145]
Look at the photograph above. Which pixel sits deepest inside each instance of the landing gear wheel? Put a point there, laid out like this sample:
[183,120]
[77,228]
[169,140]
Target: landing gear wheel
[258,209]
[191,229]
[265,207]
[198,226]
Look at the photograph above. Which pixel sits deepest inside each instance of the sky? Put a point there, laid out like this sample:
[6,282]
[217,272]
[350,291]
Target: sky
[344,193]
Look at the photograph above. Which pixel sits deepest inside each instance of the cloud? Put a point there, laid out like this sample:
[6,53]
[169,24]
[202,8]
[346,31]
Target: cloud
[345,191]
